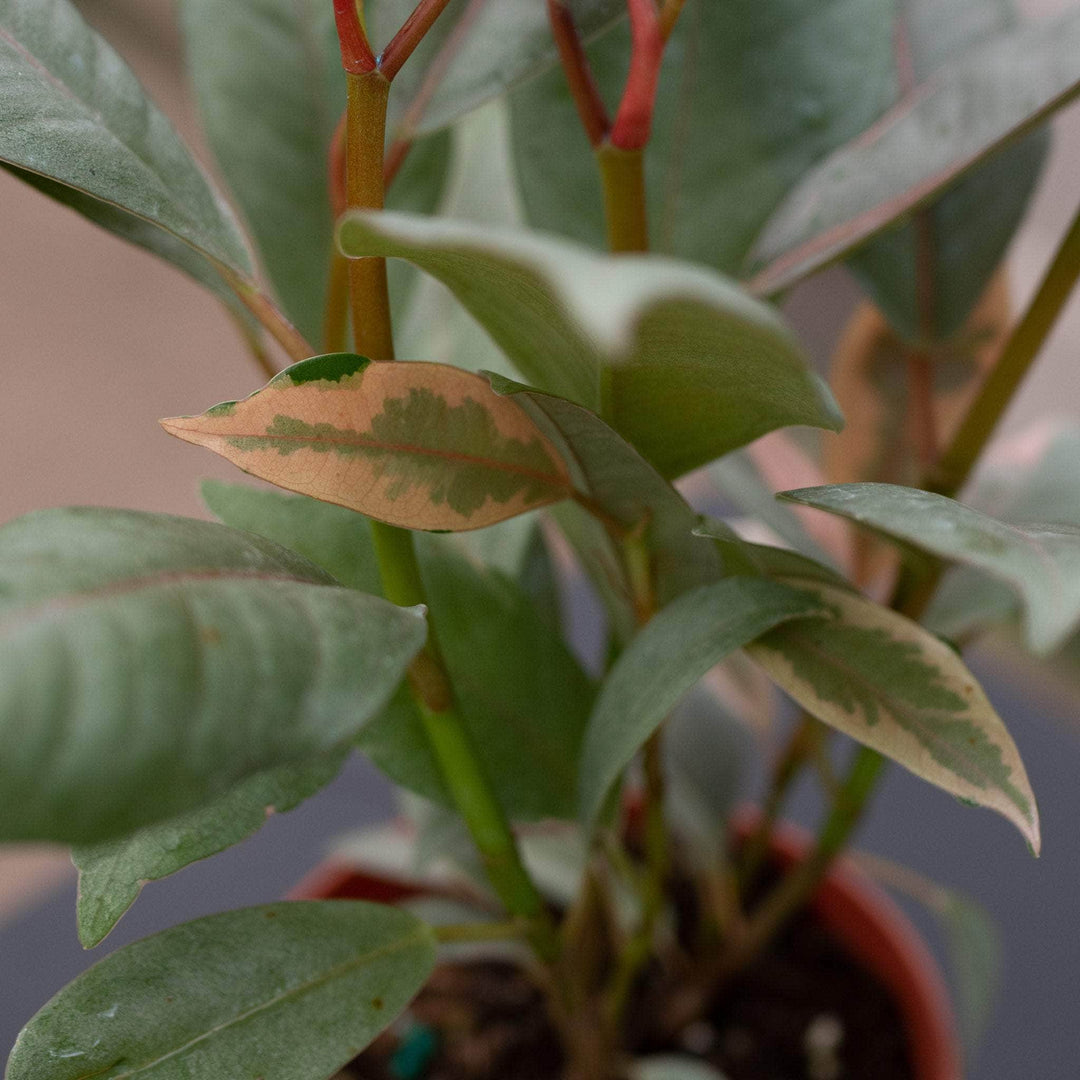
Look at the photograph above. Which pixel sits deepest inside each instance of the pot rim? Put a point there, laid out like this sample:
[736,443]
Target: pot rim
[857,912]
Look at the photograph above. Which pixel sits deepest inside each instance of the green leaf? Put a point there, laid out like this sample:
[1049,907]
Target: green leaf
[970,226]
[972,107]
[891,685]
[629,491]
[523,697]
[423,446]
[751,95]
[75,116]
[696,367]
[285,991]
[670,654]
[270,88]
[112,873]
[1040,562]
[150,663]
[506,43]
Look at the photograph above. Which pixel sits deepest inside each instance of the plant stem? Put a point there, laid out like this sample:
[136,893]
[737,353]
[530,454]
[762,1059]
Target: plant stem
[622,174]
[633,121]
[409,36]
[336,314]
[1016,358]
[436,72]
[797,751]
[799,884]
[579,76]
[402,580]
[370,295]
[268,315]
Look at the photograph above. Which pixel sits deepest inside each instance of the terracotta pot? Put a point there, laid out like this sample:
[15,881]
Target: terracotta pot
[855,911]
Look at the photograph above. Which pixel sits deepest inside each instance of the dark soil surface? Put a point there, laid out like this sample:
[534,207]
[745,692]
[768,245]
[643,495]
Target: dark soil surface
[804,1011]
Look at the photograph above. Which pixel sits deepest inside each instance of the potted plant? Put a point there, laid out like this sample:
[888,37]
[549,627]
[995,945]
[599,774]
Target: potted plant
[656,175]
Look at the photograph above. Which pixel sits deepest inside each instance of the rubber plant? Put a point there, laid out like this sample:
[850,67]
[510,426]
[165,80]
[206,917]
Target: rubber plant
[611,195]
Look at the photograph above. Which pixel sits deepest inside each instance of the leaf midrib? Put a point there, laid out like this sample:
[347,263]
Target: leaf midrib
[416,937]
[362,442]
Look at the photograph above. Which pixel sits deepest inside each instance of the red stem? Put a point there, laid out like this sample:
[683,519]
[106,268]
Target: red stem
[409,36]
[434,75]
[583,89]
[356,54]
[634,118]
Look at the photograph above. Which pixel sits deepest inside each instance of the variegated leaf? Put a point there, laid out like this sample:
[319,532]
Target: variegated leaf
[1041,562]
[423,446]
[681,361]
[893,686]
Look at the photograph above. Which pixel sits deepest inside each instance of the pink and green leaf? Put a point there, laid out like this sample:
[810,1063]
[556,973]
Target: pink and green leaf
[422,446]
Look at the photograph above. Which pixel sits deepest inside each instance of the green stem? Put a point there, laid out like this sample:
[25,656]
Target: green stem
[402,581]
[1016,358]
[635,954]
[622,175]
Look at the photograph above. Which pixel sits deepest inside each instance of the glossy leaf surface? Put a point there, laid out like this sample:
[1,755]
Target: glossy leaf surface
[966,231]
[112,873]
[891,685]
[507,42]
[671,653]
[696,367]
[286,991]
[523,697]
[75,115]
[1041,562]
[968,110]
[750,96]
[424,446]
[150,663]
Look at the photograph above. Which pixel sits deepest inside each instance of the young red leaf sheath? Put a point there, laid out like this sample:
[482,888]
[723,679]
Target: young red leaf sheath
[356,54]
[409,36]
[583,89]
[634,118]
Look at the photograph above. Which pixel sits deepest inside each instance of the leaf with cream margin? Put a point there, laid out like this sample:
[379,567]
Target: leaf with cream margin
[422,446]
[285,991]
[151,663]
[669,655]
[632,496]
[969,109]
[694,367]
[112,873]
[891,685]
[78,126]
[506,42]
[1040,562]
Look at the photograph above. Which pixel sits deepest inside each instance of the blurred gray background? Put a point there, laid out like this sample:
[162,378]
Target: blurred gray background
[100,339]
